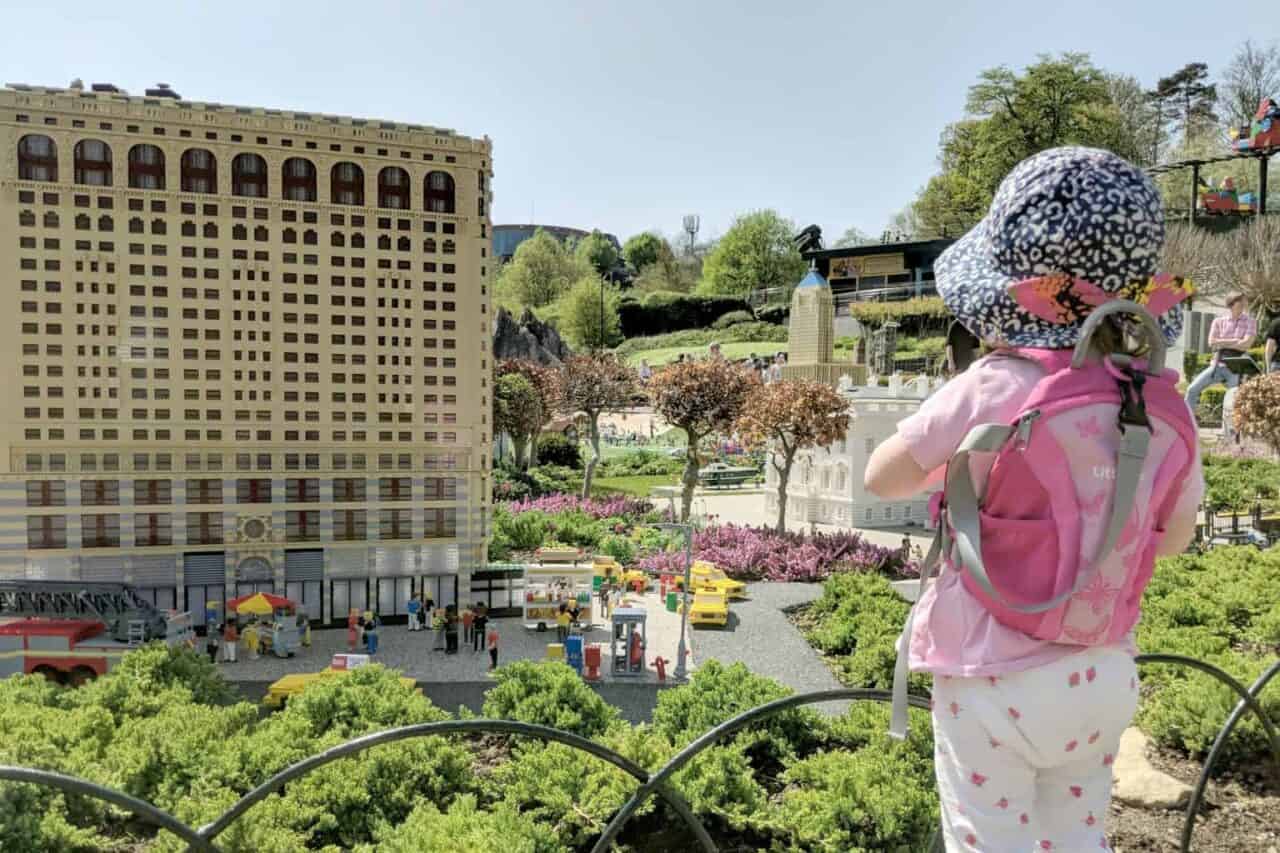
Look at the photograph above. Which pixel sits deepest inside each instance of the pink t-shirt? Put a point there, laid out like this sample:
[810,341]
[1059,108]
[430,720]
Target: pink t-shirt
[953,634]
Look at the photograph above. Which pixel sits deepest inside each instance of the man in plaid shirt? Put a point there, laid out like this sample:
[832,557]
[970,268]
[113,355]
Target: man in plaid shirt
[1229,337]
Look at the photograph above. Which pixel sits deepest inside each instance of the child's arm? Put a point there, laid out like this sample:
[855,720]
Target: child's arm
[893,473]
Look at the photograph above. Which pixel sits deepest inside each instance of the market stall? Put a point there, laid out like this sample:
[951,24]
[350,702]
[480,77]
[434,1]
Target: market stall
[546,587]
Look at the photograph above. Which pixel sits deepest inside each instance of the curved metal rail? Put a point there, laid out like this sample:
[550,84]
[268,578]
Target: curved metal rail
[203,839]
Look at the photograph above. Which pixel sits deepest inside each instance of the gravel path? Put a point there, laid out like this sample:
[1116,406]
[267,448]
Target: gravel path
[760,636]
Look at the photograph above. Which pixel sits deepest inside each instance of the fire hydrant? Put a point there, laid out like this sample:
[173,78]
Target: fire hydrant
[660,664]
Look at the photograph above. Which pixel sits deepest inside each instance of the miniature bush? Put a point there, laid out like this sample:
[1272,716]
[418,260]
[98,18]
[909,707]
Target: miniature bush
[548,694]
[555,449]
[1220,607]
[732,318]
[1256,406]
[645,463]
[1235,484]
[465,828]
[1210,411]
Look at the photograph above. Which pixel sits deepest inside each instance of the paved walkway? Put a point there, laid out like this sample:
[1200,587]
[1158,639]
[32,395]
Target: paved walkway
[760,635]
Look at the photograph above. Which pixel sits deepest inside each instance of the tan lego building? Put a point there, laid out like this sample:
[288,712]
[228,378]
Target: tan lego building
[811,335]
[246,349]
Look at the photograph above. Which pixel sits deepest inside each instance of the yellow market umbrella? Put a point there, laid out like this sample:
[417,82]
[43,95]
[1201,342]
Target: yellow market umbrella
[259,604]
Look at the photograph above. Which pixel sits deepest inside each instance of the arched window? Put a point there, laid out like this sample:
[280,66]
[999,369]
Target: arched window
[402,245]
[37,158]
[384,242]
[239,232]
[249,176]
[450,247]
[146,167]
[106,223]
[346,184]
[336,239]
[299,179]
[439,192]
[480,207]
[50,219]
[188,229]
[93,163]
[357,241]
[429,245]
[137,226]
[158,227]
[27,219]
[310,238]
[199,171]
[288,235]
[393,188]
[260,234]
[82,222]
[210,231]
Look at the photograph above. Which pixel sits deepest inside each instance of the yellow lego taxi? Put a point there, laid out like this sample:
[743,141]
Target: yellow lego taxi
[708,608]
[706,577]
[292,685]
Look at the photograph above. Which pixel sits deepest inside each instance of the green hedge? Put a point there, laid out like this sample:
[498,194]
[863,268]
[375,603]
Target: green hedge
[1237,484]
[657,313]
[740,333]
[802,782]
[1194,362]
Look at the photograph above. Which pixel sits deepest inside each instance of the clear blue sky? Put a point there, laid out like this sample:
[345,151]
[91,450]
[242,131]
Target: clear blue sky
[627,115]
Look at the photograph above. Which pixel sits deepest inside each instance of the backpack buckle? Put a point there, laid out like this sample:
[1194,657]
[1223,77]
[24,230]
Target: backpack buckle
[1133,407]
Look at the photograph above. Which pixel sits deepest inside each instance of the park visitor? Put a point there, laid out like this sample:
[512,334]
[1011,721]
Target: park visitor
[477,629]
[493,647]
[1229,337]
[646,372]
[413,608]
[371,633]
[468,620]
[1271,353]
[1028,713]
[562,622]
[211,641]
[230,637]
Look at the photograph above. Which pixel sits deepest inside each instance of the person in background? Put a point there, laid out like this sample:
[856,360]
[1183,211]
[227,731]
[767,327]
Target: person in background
[1229,337]
[353,630]
[714,351]
[775,369]
[451,629]
[413,608]
[1271,354]
[468,620]
[251,641]
[211,641]
[230,637]
[371,633]
[646,372]
[477,630]
[562,622]
[493,647]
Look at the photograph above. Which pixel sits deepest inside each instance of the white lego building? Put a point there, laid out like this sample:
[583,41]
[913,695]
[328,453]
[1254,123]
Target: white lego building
[826,483]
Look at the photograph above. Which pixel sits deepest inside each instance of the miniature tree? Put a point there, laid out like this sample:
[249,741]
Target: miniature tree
[1257,402]
[793,415]
[517,411]
[546,381]
[700,398]
[594,384]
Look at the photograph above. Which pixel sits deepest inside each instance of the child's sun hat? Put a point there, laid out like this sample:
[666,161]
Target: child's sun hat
[1069,229]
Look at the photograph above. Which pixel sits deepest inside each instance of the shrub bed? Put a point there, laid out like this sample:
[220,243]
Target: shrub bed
[1236,484]
[800,782]
[743,332]
[662,312]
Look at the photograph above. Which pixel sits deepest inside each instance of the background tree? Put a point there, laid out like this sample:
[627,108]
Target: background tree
[541,271]
[756,252]
[1251,75]
[642,250]
[1248,260]
[1139,120]
[517,411]
[792,415]
[588,314]
[597,250]
[700,398]
[1060,100]
[546,382]
[669,272]
[594,384]
[1185,100]
[854,236]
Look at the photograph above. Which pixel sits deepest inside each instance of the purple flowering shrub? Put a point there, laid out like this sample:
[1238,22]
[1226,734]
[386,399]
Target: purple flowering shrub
[617,506]
[758,553]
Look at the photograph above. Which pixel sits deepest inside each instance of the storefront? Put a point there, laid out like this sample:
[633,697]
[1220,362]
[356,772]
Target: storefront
[500,587]
[304,580]
[204,577]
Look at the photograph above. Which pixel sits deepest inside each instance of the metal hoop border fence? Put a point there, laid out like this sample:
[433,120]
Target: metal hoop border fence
[657,783]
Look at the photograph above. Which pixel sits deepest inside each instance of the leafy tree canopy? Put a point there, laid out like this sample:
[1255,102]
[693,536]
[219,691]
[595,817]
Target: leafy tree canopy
[541,271]
[643,250]
[756,252]
[597,250]
[588,314]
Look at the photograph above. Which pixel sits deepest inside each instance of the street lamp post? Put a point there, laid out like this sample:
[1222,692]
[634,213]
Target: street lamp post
[687,529]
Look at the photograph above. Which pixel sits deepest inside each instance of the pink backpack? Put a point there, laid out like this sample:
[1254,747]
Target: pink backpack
[1061,541]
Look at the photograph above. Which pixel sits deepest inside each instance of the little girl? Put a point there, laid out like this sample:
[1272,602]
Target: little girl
[1026,730]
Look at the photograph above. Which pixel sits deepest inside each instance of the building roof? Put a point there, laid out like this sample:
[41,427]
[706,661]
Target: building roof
[74,630]
[169,100]
[812,279]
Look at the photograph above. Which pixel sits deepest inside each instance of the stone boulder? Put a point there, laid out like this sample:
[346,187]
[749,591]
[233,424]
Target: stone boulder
[528,338]
[1138,783]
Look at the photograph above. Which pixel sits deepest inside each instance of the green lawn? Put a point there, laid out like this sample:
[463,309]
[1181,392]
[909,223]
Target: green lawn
[638,486]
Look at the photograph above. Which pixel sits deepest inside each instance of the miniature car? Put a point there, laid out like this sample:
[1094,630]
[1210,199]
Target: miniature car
[709,608]
[292,685]
[630,576]
[707,577]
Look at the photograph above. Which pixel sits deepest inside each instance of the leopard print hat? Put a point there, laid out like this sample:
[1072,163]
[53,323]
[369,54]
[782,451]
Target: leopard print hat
[1078,213]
